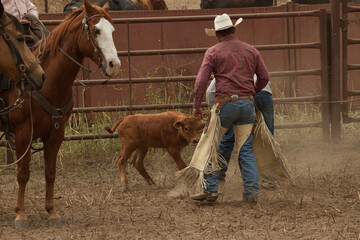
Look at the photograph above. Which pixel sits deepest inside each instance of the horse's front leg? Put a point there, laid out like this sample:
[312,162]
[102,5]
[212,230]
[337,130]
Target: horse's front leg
[23,174]
[51,148]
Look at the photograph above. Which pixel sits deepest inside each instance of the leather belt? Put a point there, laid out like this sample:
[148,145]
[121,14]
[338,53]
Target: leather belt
[233,98]
[222,100]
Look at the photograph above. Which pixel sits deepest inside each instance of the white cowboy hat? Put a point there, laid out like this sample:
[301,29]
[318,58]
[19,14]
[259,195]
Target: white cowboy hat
[221,22]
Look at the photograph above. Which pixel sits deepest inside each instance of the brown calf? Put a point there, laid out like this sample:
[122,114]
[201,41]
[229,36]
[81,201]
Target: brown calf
[137,133]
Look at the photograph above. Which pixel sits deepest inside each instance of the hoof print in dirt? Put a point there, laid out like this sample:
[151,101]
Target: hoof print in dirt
[21,224]
[55,223]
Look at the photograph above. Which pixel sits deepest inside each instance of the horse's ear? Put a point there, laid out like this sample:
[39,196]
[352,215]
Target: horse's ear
[89,8]
[106,6]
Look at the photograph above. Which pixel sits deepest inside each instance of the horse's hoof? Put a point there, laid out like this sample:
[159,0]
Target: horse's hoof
[21,224]
[55,222]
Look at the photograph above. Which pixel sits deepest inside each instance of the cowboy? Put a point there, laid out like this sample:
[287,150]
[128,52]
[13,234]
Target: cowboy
[233,64]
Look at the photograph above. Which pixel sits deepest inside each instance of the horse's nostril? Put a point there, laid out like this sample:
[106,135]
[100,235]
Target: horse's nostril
[111,64]
[43,77]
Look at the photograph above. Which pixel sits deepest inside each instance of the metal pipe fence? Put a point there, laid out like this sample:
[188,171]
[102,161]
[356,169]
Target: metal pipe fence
[346,41]
[322,72]
[322,99]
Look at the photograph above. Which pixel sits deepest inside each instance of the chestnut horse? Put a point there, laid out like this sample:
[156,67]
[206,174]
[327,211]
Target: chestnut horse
[16,60]
[86,32]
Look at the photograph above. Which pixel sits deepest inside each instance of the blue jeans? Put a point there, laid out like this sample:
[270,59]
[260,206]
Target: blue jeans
[240,112]
[264,102]
[247,162]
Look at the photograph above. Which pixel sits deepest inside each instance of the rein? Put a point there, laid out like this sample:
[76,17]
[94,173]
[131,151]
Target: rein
[38,25]
[17,104]
[10,139]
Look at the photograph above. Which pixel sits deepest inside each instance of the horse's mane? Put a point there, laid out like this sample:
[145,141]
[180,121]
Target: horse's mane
[55,37]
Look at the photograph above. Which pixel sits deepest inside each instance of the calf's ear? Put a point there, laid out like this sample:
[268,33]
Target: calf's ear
[177,124]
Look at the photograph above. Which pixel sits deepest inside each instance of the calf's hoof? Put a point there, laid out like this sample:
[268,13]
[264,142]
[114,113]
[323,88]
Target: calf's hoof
[21,224]
[55,222]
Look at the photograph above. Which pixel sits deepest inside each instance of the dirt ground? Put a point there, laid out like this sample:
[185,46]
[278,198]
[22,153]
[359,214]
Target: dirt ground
[324,204]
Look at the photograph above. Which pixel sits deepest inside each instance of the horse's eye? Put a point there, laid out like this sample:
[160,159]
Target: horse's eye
[96,31]
[20,39]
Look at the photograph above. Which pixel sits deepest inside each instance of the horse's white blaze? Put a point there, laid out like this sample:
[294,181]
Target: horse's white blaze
[106,44]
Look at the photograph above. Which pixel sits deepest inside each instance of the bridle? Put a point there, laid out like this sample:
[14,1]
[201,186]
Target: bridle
[23,70]
[85,28]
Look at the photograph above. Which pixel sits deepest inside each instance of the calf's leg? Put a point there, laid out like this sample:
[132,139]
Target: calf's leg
[175,153]
[138,158]
[121,164]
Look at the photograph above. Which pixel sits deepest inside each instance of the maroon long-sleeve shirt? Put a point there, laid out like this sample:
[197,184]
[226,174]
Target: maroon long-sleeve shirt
[233,63]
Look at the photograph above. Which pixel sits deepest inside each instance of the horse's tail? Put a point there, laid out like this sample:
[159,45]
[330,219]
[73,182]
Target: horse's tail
[112,129]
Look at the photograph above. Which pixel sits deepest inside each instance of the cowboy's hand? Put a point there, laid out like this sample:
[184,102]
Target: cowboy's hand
[198,113]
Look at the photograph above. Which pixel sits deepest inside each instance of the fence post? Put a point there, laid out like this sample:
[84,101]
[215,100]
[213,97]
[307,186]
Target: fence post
[335,72]
[344,35]
[129,62]
[291,38]
[46,6]
[325,111]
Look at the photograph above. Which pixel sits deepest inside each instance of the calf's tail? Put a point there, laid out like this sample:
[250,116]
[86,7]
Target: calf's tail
[112,129]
